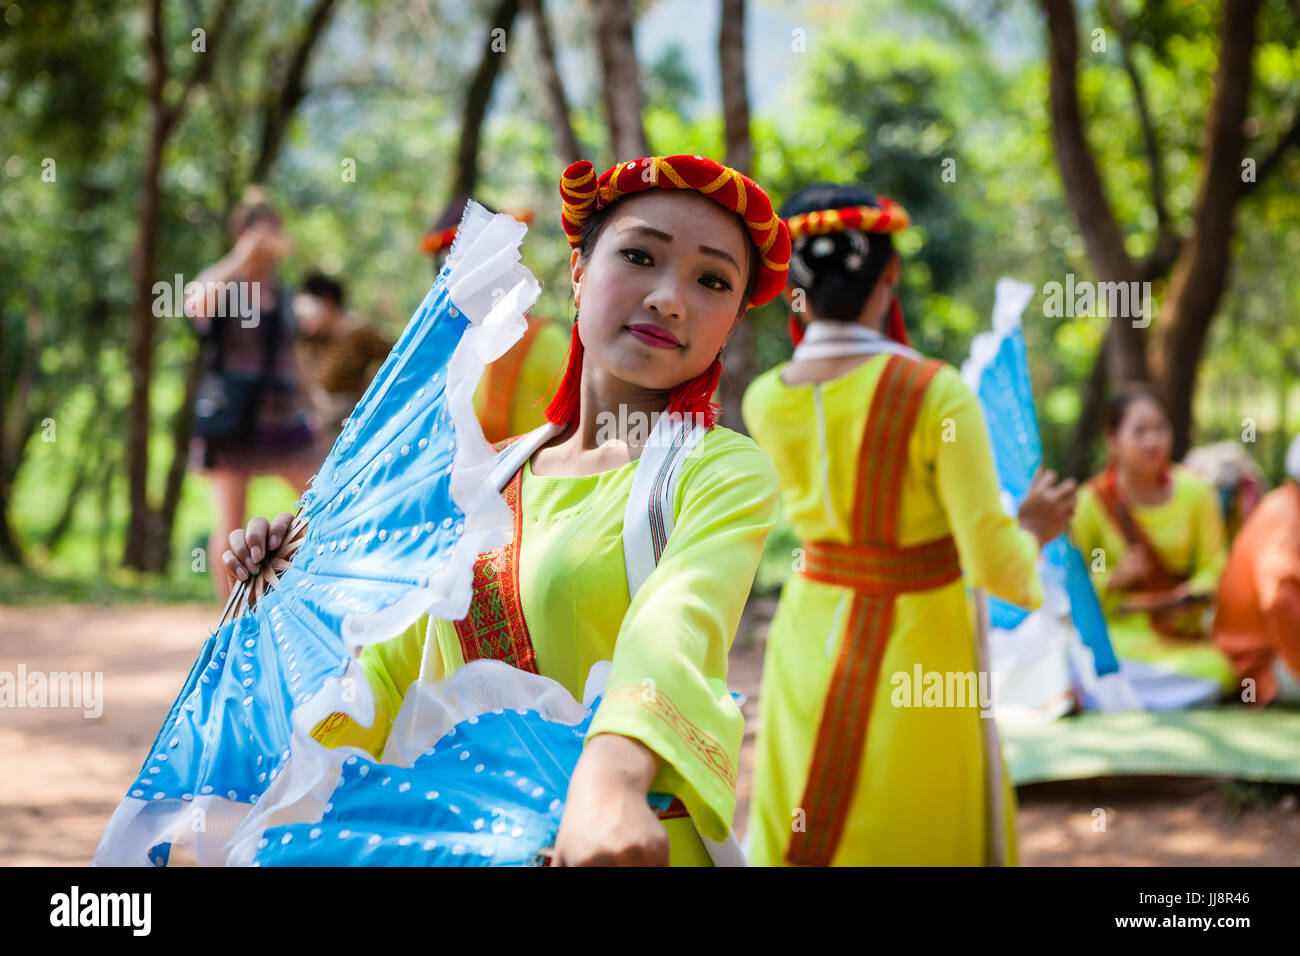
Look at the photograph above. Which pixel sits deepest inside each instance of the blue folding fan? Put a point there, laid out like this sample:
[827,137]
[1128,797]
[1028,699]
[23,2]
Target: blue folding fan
[388,531]
[998,373]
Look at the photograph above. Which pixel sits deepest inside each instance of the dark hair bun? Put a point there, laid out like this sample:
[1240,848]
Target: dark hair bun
[838,270]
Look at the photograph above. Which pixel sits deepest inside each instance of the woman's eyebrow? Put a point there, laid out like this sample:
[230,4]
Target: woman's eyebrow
[651,232]
[710,251]
[666,237]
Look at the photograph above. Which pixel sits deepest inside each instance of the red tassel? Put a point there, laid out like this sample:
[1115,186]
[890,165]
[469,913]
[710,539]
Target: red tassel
[897,330]
[689,398]
[696,396]
[563,409]
[795,328]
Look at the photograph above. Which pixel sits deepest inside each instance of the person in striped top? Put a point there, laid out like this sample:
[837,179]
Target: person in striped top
[340,354]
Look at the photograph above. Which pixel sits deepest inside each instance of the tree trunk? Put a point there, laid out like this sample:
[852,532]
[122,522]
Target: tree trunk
[477,97]
[1200,274]
[292,90]
[735,110]
[1127,358]
[16,425]
[181,426]
[566,143]
[148,530]
[735,101]
[64,521]
[1078,458]
[622,84]
[141,525]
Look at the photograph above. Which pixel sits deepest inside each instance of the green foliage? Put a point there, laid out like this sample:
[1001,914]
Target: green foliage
[885,95]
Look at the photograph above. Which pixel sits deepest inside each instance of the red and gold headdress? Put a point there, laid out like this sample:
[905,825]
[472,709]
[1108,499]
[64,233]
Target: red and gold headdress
[889,216]
[583,194]
[885,217]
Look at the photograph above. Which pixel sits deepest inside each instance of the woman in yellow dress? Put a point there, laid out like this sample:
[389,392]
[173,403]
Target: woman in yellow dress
[668,254]
[870,748]
[1153,536]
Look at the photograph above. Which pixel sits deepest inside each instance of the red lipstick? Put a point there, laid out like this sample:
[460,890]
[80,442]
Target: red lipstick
[654,335]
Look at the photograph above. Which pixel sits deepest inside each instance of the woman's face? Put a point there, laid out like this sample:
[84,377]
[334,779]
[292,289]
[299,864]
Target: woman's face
[661,289]
[1143,442]
[315,313]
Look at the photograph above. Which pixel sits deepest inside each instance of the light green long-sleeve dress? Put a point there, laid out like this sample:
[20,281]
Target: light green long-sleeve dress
[919,797]
[668,683]
[1187,531]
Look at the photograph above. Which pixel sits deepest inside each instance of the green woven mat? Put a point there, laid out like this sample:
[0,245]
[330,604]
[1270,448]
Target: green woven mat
[1235,742]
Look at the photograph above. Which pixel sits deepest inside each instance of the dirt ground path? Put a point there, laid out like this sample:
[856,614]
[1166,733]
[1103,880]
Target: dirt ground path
[62,772]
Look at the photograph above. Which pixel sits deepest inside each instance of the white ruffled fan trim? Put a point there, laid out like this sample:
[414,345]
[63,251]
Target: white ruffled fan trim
[487,282]
[429,710]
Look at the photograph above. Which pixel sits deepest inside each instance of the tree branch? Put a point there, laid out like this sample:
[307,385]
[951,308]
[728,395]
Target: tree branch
[477,97]
[281,108]
[1290,138]
[1158,187]
[566,143]
[203,69]
[1084,189]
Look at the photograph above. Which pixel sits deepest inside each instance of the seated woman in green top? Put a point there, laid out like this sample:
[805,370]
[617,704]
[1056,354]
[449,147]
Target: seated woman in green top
[1153,537]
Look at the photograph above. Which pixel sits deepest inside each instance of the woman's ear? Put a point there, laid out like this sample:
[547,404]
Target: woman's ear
[731,330]
[894,269]
[576,269]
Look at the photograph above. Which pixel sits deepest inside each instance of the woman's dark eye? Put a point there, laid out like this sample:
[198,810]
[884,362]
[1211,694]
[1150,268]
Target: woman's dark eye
[715,281]
[637,256]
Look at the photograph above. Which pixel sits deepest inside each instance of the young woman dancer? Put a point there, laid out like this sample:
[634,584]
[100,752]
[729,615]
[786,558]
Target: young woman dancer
[887,476]
[668,254]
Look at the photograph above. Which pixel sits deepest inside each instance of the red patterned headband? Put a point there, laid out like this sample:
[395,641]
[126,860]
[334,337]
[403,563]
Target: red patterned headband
[583,194]
[436,242]
[889,216]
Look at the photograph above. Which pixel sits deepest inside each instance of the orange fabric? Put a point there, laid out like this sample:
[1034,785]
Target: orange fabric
[876,569]
[1258,613]
[499,389]
[846,712]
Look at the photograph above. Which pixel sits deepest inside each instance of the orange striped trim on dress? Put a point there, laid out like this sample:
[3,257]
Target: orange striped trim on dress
[705,745]
[875,569]
[850,696]
[494,628]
